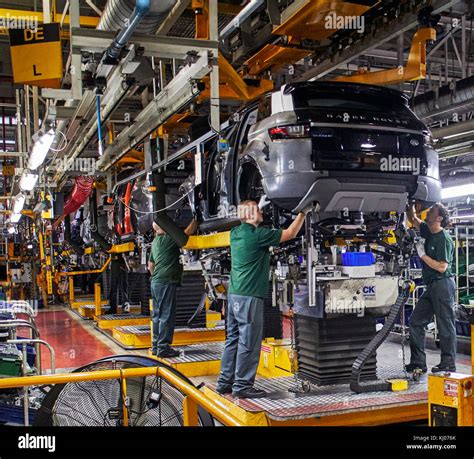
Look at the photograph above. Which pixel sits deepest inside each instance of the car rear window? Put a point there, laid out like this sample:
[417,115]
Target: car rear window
[360,102]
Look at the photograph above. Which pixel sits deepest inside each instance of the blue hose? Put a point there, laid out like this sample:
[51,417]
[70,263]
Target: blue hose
[142,7]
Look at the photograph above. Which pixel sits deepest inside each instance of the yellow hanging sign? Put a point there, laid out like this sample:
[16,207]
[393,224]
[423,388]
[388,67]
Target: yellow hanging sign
[37,56]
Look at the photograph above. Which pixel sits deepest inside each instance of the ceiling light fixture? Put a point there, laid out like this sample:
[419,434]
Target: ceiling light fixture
[15,218]
[18,203]
[457,191]
[40,149]
[28,180]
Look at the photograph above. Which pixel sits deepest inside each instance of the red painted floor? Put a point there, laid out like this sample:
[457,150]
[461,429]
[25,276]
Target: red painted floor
[73,344]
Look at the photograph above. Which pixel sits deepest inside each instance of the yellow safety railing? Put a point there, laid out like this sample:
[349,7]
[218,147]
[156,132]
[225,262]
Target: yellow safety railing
[192,401]
[88,271]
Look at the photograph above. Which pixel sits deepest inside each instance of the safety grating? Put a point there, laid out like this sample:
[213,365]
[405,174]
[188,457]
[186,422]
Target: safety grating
[134,307]
[324,400]
[144,329]
[201,329]
[198,353]
[134,329]
[121,316]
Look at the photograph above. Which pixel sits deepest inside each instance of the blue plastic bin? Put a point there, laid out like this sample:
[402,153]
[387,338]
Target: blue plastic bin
[358,259]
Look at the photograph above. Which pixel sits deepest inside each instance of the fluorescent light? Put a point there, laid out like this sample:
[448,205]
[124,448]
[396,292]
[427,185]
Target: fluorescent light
[40,150]
[18,203]
[15,218]
[467,216]
[457,191]
[452,136]
[28,180]
[368,145]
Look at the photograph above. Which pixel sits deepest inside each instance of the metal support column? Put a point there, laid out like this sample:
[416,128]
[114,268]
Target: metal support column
[75,67]
[214,76]
[97,300]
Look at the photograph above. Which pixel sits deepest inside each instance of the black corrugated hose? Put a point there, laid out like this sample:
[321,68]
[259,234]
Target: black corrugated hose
[162,218]
[374,344]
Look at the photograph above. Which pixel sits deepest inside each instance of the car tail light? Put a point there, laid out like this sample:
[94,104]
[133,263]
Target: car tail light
[292,131]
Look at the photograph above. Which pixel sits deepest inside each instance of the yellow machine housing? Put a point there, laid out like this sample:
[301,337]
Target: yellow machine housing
[450,399]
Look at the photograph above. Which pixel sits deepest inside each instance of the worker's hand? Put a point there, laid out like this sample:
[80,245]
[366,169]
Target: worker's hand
[411,211]
[420,248]
[307,209]
[263,202]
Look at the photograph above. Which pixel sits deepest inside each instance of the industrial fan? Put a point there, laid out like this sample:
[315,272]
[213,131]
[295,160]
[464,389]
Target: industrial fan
[152,401]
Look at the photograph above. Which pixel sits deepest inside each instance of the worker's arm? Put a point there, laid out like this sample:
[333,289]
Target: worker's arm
[444,253]
[151,267]
[412,217]
[440,266]
[292,231]
[151,263]
[191,228]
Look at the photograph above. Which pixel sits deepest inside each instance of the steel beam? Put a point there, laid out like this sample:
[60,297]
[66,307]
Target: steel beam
[394,28]
[85,21]
[214,77]
[83,133]
[454,129]
[181,152]
[154,45]
[181,90]
[173,16]
[75,68]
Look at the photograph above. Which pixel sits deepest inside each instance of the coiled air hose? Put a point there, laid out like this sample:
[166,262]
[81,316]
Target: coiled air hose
[375,343]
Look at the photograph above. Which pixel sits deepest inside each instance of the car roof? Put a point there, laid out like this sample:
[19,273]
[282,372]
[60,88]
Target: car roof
[352,88]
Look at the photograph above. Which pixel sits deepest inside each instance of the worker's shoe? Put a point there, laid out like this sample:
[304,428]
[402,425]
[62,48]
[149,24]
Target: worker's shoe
[415,366]
[445,368]
[252,392]
[222,390]
[168,353]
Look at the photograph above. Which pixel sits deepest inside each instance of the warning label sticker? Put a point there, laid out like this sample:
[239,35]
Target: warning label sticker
[266,349]
[451,388]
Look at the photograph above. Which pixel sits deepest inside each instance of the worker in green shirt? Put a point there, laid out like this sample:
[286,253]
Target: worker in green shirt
[436,253]
[249,277]
[166,272]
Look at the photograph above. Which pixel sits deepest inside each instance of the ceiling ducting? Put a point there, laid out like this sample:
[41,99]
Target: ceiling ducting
[117,13]
[442,103]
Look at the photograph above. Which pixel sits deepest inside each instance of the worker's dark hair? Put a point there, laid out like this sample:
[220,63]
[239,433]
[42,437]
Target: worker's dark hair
[444,213]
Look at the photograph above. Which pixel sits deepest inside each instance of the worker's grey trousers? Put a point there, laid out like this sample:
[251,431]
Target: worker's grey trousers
[438,299]
[163,315]
[242,347]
